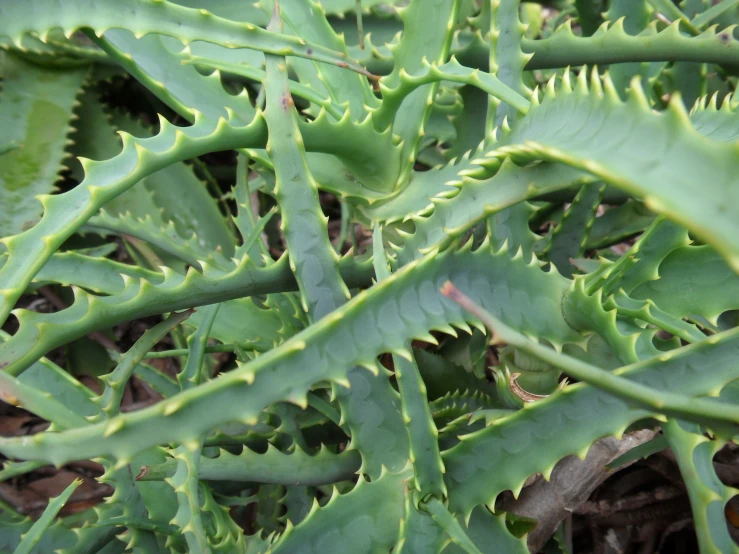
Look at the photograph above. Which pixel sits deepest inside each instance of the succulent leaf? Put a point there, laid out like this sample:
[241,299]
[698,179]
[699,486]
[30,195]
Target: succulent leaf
[303,216]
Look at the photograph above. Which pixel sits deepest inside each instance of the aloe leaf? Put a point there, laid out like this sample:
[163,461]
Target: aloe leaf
[659,401]
[468,464]
[50,379]
[139,158]
[450,525]
[164,238]
[185,479]
[634,17]
[612,44]
[157,380]
[419,533]
[422,433]
[570,236]
[618,223]
[328,529]
[34,534]
[716,123]
[427,73]
[13,469]
[99,275]
[179,196]
[173,195]
[253,326]
[195,214]
[666,194]
[457,404]
[255,73]
[415,197]
[116,380]
[246,220]
[297,502]
[310,251]
[294,427]
[371,410]
[36,109]
[227,536]
[411,292]
[687,281]
[688,79]
[272,466]
[427,35]
[371,157]
[589,16]
[442,377]
[715,11]
[17,393]
[54,536]
[472,174]
[708,495]
[511,227]
[481,197]
[127,502]
[588,312]
[161,17]
[58,52]
[170,145]
[297,195]
[672,12]
[423,446]
[229,9]
[643,259]
[339,7]
[506,60]
[141,297]
[490,534]
[191,375]
[307,20]
[365,159]
[647,311]
[470,124]
[179,86]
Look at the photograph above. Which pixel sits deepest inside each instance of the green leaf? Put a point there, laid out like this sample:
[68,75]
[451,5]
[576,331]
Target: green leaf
[156,16]
[419,533]
[371,410]
[423,435]
[571,234]
[585,412]
[33,535]
[272,466]
[506,59]
[626,162]
[342,521]
[427,33]
[350,336]
[611,44]
[708,495]
[688,279]
[490,534]
[307,20]
[36,108]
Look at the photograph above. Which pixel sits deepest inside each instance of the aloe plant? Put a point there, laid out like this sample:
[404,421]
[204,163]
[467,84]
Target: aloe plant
[561,175]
